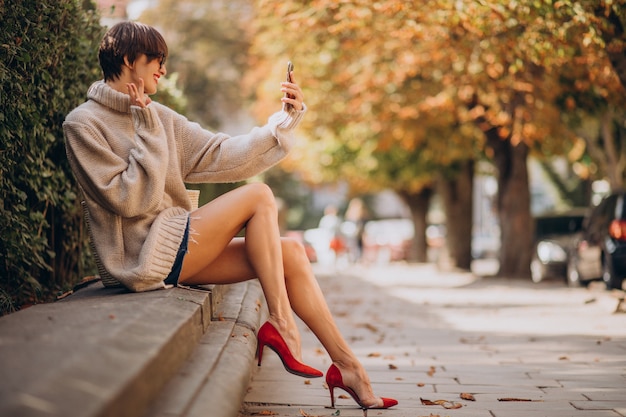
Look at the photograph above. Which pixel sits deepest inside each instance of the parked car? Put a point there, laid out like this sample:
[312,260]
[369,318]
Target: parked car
[600,251]
[555,235]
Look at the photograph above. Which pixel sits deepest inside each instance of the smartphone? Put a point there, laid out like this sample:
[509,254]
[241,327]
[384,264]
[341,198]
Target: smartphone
[289,69]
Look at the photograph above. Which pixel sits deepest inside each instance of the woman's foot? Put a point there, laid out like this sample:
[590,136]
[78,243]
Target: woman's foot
[269,336]
[354,380]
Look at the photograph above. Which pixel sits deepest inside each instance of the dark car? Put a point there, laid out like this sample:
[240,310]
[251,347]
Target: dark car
[555,234]
[600,251]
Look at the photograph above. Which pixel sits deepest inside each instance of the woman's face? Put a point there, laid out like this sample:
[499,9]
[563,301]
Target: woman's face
[151,70]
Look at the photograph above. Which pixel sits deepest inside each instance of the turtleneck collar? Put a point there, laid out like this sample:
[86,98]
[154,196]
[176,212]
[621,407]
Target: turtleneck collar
[105,95]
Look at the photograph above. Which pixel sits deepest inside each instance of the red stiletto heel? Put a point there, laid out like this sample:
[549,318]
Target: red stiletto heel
[335,380]
[269,336]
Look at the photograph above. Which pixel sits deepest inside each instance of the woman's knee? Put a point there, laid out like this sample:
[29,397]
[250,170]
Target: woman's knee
[293,250]
[262,194]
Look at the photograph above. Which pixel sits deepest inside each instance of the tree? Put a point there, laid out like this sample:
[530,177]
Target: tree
[594,95]
[441,83]
[377,118]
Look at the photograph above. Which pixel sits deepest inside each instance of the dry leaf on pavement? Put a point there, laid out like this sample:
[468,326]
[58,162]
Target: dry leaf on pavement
[450,405]
[264,413]
[467,396]
[515,399]
[305,414]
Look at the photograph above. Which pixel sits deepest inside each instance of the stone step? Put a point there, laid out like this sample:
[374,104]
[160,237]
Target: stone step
[107,352]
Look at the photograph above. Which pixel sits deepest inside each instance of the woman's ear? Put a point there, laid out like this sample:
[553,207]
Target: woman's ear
[127,62]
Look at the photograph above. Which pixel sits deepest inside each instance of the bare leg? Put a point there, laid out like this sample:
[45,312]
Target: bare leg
[309,304]
[281,265]
[214,257]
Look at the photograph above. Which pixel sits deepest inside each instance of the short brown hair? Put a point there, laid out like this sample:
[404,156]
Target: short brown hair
[129,39]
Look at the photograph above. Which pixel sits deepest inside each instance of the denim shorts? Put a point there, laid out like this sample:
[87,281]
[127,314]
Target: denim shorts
[172,278]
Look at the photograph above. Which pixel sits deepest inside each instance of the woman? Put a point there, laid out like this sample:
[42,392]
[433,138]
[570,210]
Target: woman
[132,158]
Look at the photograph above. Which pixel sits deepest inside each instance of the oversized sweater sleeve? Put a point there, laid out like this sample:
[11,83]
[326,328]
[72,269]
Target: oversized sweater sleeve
[218,157]
[124,173]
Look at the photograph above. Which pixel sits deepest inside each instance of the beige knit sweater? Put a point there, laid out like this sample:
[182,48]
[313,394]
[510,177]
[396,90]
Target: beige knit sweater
[132,165]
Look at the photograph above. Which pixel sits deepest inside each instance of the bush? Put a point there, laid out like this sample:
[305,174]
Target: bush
[48,58]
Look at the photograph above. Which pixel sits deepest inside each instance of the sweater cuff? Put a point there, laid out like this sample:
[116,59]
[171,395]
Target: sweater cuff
[287,120]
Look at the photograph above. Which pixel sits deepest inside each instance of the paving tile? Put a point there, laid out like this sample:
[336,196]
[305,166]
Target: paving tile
[619,405]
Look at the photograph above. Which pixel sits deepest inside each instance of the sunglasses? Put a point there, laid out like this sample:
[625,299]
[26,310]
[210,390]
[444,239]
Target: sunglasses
[156,55]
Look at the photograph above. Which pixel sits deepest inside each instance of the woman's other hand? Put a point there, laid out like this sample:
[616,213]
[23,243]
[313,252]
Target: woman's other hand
[137,96]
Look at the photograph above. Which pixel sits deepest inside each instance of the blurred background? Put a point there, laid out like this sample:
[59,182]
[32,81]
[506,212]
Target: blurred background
[453,125]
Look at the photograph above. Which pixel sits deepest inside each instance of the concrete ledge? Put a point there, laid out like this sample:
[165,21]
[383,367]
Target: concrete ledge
[103,352]
[215,379]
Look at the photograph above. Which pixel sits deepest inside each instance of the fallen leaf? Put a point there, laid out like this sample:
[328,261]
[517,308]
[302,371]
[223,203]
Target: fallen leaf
[450,405]
[467,396]
[65,294]
[392,366]
[563,358]
[370,327]
[305,414]
[307,382]
[265,413]
[515,399]
[420,384]
[344,397]
[398,378]
[373,355]
[431,371]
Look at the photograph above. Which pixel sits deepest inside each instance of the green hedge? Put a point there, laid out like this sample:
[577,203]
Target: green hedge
[48,58]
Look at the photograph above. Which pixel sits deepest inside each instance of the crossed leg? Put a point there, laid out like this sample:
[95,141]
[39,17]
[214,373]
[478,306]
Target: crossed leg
[216,256]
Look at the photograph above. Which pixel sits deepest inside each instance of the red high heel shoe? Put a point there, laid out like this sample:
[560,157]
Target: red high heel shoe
[269,336]
[335,380]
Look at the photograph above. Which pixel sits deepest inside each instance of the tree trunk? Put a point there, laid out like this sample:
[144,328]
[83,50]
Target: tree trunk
[614,158]
[457,196]
[513,205]
[419,204]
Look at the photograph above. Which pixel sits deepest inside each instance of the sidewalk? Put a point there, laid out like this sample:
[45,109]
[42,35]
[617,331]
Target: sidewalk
[518,349]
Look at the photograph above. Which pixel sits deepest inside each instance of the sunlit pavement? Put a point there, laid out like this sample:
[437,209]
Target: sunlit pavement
[517,348]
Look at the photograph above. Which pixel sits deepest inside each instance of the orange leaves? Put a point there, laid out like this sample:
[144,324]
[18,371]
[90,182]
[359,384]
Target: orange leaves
[449,405]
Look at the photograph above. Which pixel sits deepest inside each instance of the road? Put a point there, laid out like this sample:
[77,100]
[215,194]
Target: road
[517,348]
